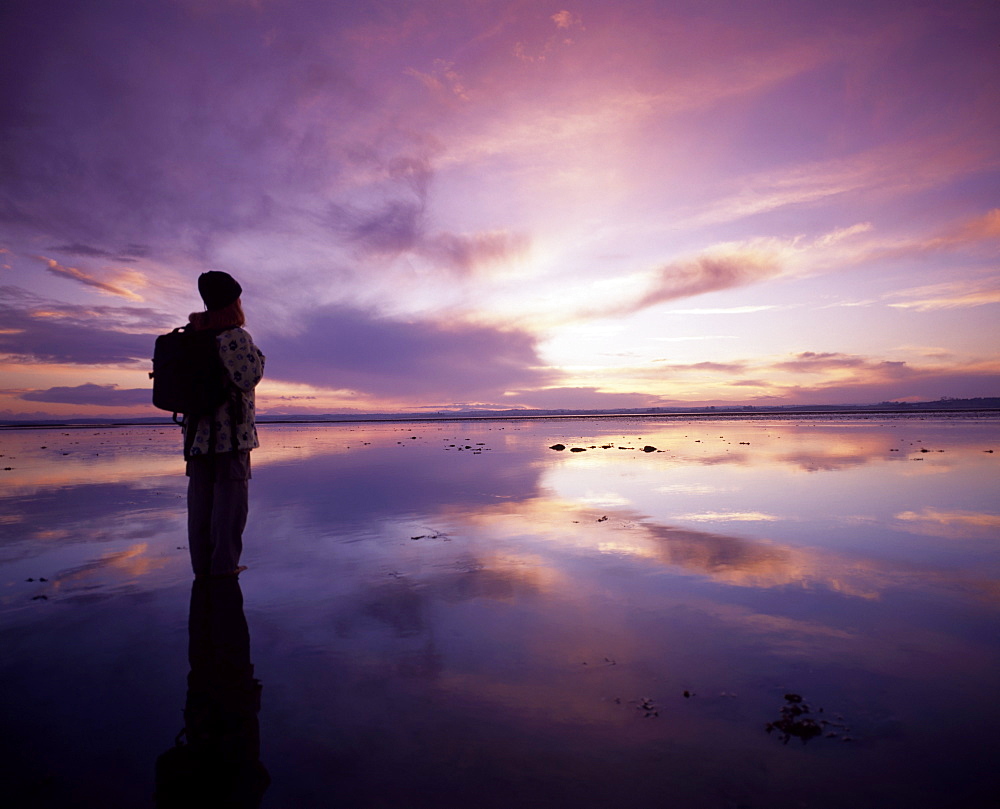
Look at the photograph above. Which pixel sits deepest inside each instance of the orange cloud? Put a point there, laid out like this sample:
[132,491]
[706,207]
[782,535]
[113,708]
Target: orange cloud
[951,524]
[76,274]
[978,229]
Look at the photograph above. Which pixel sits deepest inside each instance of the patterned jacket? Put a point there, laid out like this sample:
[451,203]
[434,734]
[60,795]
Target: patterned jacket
[244,364]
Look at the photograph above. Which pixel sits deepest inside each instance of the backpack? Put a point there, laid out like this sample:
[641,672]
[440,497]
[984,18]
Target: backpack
[188,376]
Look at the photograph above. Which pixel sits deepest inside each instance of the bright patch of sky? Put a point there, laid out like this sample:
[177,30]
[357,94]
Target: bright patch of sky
[436,205]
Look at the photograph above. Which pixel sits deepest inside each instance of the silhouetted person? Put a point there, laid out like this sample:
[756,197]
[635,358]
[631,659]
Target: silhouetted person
[217,446]
[215,762]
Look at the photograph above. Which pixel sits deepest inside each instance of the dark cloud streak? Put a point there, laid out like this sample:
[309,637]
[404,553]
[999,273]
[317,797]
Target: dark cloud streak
[132,252]
[36,331]
[343,348]
[91,394]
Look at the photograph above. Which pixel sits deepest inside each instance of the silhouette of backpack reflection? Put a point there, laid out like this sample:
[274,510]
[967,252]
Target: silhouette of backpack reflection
[215,761]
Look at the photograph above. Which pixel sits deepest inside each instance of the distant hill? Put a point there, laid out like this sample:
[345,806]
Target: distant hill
[982,404]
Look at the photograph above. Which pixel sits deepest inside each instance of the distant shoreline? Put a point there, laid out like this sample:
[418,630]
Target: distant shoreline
[858,412]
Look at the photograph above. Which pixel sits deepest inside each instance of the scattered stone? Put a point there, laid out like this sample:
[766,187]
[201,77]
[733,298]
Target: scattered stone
[578,449]
[602,519]
[558,447]
[648,448]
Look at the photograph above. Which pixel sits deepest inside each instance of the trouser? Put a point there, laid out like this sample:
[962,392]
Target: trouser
[218,486]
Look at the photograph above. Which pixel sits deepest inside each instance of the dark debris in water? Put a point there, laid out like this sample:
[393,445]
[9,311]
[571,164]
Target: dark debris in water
[648,707]
[796,721]
[433,535]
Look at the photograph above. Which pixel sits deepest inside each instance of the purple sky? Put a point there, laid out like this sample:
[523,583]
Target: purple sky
[504,204]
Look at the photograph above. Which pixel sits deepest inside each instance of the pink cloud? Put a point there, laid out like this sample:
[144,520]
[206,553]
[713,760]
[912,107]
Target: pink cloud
[949,295]
[713,271]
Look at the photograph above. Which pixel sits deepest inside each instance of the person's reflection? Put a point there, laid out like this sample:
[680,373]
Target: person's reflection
[215,761]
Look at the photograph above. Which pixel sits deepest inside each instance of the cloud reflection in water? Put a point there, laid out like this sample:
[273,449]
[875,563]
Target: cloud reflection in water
[435,605]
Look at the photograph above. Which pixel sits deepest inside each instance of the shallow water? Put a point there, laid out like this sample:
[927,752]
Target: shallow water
[451,614]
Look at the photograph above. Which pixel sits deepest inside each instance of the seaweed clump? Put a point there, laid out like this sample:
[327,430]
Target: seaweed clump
[794,722]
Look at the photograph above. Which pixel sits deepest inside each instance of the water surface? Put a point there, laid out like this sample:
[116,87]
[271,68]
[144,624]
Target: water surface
[452,614]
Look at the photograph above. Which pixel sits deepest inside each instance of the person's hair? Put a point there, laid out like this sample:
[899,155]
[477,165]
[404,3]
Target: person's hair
[228,317]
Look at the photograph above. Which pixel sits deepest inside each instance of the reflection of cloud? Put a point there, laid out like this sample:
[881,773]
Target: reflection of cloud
[951,524]
[403,603]
[726,559]
[831,460]
[604,499]
[736,561]
[129,564]
[728,516]
[690,488]
[753,563]
[789,633]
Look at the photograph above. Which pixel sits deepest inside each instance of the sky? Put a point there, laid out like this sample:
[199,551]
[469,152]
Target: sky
[494,204]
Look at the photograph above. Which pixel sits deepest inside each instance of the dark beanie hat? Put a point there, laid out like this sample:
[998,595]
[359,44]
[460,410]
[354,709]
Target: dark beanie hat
[218,289]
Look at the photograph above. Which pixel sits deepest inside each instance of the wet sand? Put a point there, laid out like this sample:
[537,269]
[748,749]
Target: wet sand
[691,613]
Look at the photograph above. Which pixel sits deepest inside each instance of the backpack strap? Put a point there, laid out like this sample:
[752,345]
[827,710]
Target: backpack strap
[190,427]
